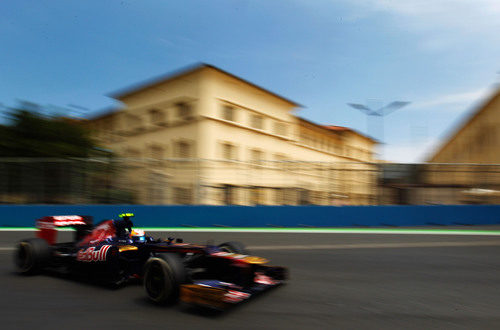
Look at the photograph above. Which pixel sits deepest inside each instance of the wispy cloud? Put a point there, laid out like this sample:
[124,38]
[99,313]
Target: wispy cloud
[450,14]
[441,24]
[458,101]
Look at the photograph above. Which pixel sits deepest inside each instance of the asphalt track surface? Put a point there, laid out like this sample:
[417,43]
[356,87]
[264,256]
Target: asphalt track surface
[338,281]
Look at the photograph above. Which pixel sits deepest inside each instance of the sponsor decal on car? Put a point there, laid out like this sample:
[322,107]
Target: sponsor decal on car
[62,223]
[242,257]
[59,221]
[222,254]
[233,296]
[229,255]
[91,255]
[67,218]
[264,279]
[239,256]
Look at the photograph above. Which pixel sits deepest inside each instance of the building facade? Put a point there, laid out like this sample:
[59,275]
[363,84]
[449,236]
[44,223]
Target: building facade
[205,136]
[476,140]
[465,168]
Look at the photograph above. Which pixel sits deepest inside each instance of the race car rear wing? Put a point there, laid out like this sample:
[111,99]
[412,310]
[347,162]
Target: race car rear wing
[47,226]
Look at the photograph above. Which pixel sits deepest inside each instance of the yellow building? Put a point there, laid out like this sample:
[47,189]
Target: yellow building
[466,160]
[205,136]
[476,140]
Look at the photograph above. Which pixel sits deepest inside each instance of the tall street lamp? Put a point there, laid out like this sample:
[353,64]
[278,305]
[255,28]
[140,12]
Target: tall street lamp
[381,113]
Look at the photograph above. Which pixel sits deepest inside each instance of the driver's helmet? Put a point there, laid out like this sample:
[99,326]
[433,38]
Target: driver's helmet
[138,235]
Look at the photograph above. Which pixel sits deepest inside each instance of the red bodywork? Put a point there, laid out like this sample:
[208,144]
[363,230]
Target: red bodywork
[99,234]
[48,225]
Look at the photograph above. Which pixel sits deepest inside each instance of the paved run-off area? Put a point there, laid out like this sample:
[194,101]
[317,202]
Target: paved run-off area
[338,280]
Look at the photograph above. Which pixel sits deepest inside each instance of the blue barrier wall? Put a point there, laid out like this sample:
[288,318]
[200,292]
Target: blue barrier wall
[264,216]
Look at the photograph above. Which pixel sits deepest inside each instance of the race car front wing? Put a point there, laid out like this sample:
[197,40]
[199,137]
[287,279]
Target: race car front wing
[222,295]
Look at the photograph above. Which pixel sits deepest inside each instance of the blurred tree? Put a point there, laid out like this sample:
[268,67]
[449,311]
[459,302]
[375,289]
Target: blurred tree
[37,165]
[30,133]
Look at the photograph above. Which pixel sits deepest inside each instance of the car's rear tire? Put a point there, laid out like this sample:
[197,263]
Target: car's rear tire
[31,256]
[163,276]
[234,247]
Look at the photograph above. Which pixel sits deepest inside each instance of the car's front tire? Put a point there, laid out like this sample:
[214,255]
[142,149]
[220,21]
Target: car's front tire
[163,276]
[31,256]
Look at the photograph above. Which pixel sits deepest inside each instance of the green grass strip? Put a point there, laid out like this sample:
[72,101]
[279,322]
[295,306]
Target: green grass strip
[402,231]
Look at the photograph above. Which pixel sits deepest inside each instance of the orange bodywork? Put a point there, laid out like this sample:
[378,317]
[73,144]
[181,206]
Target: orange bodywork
[203,295]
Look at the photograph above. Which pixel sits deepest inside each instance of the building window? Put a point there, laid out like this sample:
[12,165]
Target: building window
[257,122]
[183,149]
[156,116]
[156,186]
[229,194]
[279,198]
[182,195]
[229,151]
[257,195]
[279,128]
[228,113]
[134,123]
[156,152]
[256,155]
[184,110]
[289,196]
[304,197]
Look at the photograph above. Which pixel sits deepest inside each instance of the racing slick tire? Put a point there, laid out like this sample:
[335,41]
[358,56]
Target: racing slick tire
[31,255]
[163,276]
[234,247]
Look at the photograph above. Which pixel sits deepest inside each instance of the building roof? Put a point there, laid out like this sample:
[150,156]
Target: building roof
[347,129]
[334,128]
[105,112]
[130,90]
[458,128]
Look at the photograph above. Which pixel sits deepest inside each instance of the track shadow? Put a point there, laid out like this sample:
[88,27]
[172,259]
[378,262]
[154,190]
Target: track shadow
[202,311]
[84,279]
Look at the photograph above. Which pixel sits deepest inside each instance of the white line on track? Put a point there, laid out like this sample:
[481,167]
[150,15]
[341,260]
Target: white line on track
[373,245]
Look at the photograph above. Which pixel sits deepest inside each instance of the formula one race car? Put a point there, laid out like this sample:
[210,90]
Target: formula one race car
[114,252]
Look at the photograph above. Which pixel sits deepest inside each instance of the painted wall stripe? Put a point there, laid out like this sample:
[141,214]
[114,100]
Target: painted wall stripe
[373,246]
[265,216]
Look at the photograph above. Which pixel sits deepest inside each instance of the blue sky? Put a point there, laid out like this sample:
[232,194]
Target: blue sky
[442,55]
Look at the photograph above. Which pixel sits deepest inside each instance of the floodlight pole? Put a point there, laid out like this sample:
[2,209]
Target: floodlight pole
[381,112]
